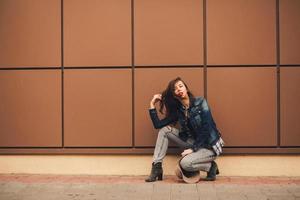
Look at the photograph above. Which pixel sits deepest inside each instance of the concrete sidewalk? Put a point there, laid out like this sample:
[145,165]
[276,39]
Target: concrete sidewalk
[88,187]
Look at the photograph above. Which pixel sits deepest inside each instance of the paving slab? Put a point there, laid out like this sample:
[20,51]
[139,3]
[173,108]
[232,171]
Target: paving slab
[88,187]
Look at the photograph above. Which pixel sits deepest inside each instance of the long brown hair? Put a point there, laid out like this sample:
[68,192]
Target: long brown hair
[168,100]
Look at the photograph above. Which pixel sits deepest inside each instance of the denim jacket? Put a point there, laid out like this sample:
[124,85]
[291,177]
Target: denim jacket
[201,123]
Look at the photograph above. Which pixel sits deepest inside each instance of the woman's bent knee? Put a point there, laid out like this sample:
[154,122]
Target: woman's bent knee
[165,130]
[187,164]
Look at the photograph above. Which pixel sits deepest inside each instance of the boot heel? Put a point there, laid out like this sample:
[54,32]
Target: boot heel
[217,170]
[156,173]
[160,177]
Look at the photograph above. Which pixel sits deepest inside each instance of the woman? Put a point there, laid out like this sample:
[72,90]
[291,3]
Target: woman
[198,133]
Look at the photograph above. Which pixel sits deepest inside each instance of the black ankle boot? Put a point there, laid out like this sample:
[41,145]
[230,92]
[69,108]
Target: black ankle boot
[156,173]
[213,171]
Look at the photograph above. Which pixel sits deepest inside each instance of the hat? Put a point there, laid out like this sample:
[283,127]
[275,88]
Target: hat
[186,176]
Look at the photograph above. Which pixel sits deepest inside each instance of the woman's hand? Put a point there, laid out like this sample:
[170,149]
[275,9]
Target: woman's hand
[155,98]
[186,152]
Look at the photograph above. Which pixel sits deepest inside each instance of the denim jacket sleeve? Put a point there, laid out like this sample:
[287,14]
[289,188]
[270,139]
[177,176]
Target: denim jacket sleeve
[204,131]
[159,123]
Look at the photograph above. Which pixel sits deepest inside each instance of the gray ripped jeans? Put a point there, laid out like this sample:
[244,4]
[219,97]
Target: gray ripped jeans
[199,160]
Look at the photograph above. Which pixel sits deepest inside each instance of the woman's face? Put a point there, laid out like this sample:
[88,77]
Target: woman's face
[180,90]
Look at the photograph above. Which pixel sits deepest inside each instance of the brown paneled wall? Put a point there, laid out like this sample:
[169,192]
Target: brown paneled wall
[76,76]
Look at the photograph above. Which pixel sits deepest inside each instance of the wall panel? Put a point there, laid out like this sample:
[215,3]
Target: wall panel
[243,101]
[168,32]
[30,33]
[289,31]
[30,108]
[98,110]
[290,109]
[97,33]
[241,32]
